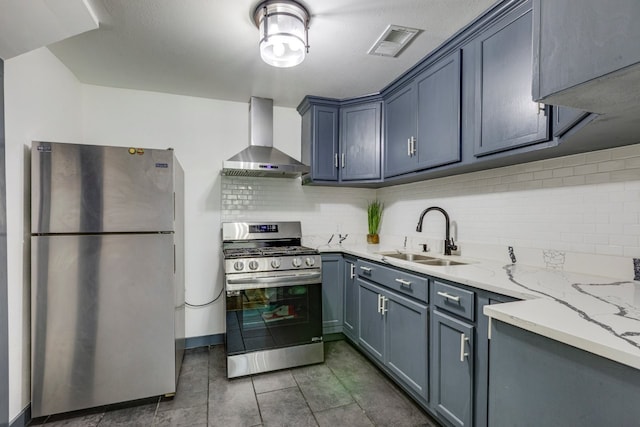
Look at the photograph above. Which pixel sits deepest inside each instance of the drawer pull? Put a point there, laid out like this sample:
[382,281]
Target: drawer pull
[365,269]
[448,296]
[352,272]
[463,340]
[404,282]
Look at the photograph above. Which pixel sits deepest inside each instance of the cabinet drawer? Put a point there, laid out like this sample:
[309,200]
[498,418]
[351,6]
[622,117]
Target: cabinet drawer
[398,280]
[454,300]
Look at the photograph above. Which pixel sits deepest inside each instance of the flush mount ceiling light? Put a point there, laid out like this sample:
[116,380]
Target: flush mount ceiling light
[283,28]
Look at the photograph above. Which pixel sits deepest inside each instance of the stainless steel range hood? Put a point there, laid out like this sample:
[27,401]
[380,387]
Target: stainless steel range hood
[260,158]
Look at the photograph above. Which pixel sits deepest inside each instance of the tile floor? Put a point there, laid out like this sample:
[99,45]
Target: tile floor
[346,390]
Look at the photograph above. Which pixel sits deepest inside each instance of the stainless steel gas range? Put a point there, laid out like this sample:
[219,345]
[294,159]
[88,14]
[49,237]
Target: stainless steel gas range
[273,298]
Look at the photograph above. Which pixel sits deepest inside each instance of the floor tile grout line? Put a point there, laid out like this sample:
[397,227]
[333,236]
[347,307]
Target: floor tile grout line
[208,381]
[313,414]
[350,394]
[255,396]
[155,413]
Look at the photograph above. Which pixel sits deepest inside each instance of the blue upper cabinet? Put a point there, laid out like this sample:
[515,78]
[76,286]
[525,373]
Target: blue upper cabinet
[320,141]
[341,141]
[468,105]
[506,116]
[400,121]
[360,142]
[422,120]
[438,89]
[587,53]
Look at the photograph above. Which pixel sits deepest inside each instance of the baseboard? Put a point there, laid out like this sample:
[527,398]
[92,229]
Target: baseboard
[204,341]
[333,337]
[23,418]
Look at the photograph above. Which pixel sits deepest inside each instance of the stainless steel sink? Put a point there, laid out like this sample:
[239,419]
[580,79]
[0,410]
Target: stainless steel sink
[408,256]
[441,262]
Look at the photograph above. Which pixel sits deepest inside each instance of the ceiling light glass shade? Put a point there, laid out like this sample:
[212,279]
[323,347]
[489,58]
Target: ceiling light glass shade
[283,28]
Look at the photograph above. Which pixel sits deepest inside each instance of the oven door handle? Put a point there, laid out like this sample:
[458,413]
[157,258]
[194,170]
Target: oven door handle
[280,280]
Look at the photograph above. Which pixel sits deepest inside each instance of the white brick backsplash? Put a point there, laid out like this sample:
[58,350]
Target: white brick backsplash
[575,160]
[613,165]
[562,172]
[586,203]
[598,156]
[575,203]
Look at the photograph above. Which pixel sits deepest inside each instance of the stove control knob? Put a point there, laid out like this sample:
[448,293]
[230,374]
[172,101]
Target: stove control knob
[275,263]
[238,265]
[253,265]
[310,262]
[297,262]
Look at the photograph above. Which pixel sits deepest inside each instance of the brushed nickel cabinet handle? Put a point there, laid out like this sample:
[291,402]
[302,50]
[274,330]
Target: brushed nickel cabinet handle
[448,296]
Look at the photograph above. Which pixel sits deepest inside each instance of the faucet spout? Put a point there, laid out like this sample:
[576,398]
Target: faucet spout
[449,245]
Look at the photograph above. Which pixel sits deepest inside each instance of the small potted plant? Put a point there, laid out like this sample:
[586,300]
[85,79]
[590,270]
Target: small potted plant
[374,215]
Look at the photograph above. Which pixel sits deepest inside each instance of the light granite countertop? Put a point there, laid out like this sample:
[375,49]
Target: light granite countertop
[597,314]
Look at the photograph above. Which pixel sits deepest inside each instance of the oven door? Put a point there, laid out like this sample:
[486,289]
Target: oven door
[268,311]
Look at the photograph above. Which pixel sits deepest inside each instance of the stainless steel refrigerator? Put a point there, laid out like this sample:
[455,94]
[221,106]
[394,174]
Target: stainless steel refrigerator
[107,277]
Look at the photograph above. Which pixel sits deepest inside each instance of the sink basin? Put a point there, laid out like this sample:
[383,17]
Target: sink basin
[441,262]
[408,256]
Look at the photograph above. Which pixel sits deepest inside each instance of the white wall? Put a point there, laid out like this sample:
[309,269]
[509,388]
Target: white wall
[42,102]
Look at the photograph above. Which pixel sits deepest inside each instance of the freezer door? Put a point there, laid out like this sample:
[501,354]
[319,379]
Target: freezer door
[93,189]
[102,320]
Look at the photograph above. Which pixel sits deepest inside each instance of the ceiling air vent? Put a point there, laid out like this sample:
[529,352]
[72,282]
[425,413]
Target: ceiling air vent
[393,40]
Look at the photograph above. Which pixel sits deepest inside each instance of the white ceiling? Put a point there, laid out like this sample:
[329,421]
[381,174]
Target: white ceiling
[29,25]
[208,48]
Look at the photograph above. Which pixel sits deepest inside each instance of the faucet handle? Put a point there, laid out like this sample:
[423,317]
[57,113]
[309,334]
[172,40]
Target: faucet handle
[452,245]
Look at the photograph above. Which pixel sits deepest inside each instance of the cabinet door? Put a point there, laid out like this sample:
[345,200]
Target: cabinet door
[578,41]
[506,117]
[350,317]
[438,138]
[406,344]
[360,142]
[453,362]
[332,294]
[371,327]
[564,118]
[400,128]
[325,143]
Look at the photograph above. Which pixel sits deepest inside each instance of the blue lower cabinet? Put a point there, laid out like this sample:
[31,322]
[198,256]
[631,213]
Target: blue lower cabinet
[350,295]
[372,329]
[407,342]
[332,284]
[537,381]
[393,331]
[453,345]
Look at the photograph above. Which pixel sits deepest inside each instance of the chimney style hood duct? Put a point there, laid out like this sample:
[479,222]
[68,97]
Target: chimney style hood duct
[260,158]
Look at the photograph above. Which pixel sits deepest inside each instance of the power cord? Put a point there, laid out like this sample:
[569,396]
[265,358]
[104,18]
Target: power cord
[206,303]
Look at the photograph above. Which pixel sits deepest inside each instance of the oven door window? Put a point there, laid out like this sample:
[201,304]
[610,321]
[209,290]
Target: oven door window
[274,317]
